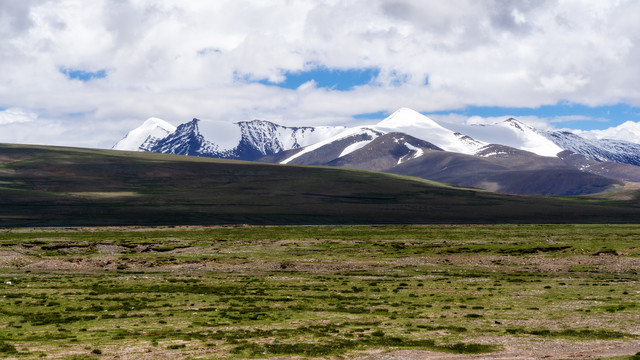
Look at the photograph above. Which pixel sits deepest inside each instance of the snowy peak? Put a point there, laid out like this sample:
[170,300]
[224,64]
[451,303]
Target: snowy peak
[144,136]
[266,137]
[405,117]
[417,125]
[155,123]
[529,139]
[186,140]
[468,140]
[517,125]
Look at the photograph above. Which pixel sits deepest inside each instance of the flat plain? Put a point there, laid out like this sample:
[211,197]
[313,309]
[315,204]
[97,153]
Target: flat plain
[368,292]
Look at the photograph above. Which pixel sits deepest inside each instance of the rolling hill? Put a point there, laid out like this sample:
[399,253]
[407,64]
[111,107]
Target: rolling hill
[55,186]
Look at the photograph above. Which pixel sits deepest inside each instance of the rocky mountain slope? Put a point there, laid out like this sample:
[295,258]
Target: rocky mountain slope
[245,140]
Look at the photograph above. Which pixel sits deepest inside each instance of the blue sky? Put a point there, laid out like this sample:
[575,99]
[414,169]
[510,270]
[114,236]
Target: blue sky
[334,79]
[562,115]
[84,74]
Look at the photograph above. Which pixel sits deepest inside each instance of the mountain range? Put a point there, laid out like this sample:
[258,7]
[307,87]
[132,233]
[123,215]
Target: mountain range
[508,156]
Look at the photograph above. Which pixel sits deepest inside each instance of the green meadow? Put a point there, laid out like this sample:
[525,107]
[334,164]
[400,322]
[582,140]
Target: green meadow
[317,291]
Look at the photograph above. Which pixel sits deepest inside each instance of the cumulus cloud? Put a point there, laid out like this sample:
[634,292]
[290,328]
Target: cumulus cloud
[14,115]
[178,59]
[628,131]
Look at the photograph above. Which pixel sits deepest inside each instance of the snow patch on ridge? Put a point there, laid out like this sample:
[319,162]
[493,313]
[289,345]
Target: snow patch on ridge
[417,152]
[495,153]
[346,133]
[353,147]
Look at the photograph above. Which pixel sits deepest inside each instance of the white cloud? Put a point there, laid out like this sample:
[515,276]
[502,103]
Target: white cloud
[178,59]
[562,83]
[628,131]
[14,115]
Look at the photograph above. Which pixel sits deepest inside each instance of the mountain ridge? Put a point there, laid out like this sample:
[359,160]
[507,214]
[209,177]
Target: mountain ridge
[512,144]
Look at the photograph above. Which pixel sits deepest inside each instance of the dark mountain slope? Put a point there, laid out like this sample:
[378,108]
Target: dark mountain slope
[519,173]
[257,139]
[186,140]
[51,186]
[278,157]
[625,172]
[496,168]
[328,152]
[516,159]
[384,152]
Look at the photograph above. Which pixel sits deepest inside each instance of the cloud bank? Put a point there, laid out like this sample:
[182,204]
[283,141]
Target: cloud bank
[84,73]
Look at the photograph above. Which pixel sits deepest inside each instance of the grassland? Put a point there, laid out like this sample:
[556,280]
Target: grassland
[556,291]
[53,186]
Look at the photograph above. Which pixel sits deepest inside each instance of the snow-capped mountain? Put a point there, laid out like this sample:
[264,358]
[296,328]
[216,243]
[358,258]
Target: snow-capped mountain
[510,132]
[245,140]
[516,134]
[493,167]
[419,126]
[405,121]
[618,151]
[143,137]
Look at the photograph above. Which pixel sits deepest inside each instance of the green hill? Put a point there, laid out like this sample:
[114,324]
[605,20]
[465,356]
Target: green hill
[55,186]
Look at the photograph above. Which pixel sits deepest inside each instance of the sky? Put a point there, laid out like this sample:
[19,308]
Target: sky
[84,73]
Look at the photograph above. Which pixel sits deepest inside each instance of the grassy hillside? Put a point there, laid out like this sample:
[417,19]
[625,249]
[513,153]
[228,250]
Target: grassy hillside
[53,186]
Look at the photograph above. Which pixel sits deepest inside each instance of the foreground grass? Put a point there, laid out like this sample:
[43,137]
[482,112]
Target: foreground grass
[312,291]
